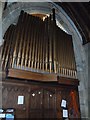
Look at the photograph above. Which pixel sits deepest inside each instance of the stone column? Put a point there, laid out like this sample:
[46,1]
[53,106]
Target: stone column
[87,50]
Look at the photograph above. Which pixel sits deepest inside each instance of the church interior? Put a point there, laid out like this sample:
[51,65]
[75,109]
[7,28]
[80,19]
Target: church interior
[44,56]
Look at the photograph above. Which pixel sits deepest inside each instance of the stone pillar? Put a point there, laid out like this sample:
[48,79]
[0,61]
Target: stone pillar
[84,83]
[83,96]
[87,50]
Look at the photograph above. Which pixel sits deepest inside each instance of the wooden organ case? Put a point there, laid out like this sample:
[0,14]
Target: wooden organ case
[38,63]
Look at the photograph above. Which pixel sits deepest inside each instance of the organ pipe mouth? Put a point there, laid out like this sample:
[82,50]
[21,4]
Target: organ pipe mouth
[39,46]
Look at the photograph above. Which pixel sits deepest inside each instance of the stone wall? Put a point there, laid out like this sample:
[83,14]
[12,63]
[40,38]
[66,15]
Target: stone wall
[87,50]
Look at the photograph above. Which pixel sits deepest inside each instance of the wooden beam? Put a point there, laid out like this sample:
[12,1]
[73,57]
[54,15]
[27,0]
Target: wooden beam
[42,77]
[28,75]
[67,81]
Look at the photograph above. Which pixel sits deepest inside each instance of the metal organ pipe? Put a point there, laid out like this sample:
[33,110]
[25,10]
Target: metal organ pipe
[33,45]
[31,42]
[6,52]
[36,46]
[50,44]
[43,47]
[24,42]
[20,41]
[27,40]
[40,46]
[46,44]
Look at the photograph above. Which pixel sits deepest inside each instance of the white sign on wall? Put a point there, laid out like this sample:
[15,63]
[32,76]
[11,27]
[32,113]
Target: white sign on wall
[65,113]
[63,103]
[20,100]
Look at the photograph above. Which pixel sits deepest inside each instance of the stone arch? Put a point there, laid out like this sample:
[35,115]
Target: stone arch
[10,16]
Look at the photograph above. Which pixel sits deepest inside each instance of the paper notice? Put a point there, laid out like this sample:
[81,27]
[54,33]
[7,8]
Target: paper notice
[65,113]
[63,103]
[20,100]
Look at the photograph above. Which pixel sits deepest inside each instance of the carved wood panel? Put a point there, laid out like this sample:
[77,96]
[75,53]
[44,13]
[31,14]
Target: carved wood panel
[49,103]
[41,101]
[36,100]
[10,99]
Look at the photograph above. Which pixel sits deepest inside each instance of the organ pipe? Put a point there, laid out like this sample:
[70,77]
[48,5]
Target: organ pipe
[19,52]
[17,30]
[39,45]
[7,47]
[27,42]
[23,38]
[50,45]
[30,47]
[46,44]
[36,46]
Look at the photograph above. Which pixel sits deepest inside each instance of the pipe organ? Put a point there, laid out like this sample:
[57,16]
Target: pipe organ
[39,62]
[39,46]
